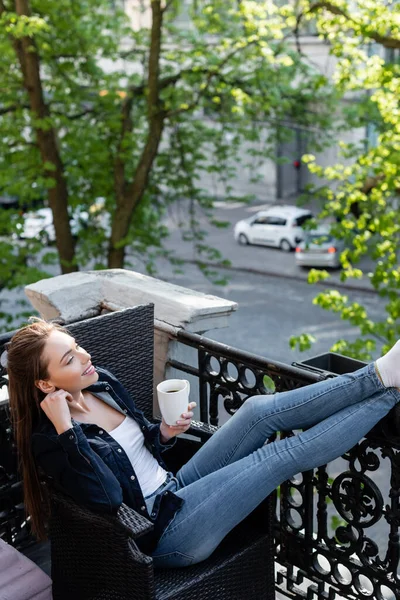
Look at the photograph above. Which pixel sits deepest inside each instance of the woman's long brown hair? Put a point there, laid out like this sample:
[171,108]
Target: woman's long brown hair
[25,366]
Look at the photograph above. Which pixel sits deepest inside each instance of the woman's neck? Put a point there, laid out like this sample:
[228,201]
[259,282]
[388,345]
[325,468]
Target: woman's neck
[80,404]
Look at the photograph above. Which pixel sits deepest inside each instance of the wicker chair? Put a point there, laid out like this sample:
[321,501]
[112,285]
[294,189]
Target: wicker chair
[95,557]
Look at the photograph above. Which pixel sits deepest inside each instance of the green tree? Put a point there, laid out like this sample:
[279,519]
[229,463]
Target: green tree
[93,108]
[362,190]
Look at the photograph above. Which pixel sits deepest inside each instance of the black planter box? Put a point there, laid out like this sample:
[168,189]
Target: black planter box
[330,362]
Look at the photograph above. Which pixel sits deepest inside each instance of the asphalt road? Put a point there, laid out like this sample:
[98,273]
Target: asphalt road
[273,309]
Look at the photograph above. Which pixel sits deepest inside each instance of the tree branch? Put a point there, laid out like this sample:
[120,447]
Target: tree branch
[154,59]
[211,74]
[128,53]
[29,60]
[89,111]
[167,5]
[331,7]
[12,108]
[134,191]
[119,165]
[385,41]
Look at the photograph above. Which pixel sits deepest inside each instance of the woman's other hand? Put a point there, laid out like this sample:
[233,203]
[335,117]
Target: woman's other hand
[55,405]
[182,425]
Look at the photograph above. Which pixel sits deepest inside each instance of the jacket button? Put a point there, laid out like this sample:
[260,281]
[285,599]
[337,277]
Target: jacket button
[125,411]
[71,437]
[107,388]
[153,514]
[142,508]
[101,431]
[133,477]
[119,450]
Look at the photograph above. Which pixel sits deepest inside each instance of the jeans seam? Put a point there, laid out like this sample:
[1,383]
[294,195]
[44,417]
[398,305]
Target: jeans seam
[281,412]
[169,530]
[227,460]
[395,392]
[393,389]
[316,436]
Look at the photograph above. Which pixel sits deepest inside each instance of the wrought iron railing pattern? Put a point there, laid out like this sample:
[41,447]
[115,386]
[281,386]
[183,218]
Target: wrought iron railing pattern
[324,547]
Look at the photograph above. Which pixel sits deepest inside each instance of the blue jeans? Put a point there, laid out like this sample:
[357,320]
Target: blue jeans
[235,470]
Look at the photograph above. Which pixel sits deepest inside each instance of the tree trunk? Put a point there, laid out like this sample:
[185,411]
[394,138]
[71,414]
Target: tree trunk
[47,142]
[130,194]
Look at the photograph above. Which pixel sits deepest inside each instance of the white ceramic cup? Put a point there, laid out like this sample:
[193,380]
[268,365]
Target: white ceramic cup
[173,399]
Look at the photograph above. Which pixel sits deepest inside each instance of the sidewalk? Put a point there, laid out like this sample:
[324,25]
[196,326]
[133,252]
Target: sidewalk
[357,285]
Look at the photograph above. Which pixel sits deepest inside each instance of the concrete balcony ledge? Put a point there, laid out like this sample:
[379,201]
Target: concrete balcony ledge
[81,295]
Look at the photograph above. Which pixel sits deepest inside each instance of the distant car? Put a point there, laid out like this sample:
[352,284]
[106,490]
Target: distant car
[279,226]
[39,224]
[7,201]
[319,249]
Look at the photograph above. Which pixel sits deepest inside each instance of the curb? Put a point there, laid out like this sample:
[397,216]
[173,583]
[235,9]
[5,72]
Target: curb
[340,285]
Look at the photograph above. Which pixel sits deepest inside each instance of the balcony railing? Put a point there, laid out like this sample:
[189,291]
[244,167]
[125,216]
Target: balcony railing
[337,528]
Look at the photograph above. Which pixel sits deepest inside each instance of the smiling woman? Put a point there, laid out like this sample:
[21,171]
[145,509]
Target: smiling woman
[68,414]
[77,425]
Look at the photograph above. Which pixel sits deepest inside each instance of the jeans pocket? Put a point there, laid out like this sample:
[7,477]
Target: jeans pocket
[172,559]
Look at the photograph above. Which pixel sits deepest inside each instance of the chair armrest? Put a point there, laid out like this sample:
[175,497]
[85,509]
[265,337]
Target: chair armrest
[66,510]
[201,429]
[197,428]
[135,523]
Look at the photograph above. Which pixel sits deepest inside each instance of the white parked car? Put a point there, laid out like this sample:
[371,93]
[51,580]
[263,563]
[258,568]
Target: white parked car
[319,249]
[39,223]
[279,226]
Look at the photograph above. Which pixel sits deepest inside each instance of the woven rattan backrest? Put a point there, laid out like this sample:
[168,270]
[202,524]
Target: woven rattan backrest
[123,342]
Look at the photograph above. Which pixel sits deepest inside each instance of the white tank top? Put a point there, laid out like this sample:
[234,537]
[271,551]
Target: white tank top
[149,473]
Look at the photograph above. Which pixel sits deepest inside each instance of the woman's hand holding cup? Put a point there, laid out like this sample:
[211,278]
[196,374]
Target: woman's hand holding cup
[173,400]
[182,424]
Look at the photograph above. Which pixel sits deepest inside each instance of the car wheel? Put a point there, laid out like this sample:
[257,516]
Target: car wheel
[285,245]
[243,239]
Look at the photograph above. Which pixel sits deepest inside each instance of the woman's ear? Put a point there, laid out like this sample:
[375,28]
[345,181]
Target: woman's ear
[45,386]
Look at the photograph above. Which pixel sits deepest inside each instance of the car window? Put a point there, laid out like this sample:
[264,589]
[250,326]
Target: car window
[276,221]
[299,221]
[260,221]
[319,238]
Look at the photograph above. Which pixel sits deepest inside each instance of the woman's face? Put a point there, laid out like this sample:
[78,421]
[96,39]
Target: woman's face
[69,366]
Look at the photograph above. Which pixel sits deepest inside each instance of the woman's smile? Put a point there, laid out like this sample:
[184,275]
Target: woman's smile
[90,370]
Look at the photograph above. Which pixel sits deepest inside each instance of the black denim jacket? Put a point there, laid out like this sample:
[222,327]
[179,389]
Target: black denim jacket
[87,464]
